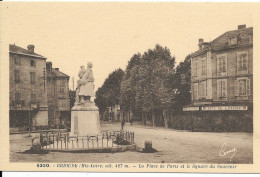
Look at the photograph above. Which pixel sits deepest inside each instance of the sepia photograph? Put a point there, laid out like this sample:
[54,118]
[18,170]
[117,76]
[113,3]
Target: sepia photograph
[136,84]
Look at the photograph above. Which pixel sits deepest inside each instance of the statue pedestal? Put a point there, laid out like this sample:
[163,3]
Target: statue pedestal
[85,120]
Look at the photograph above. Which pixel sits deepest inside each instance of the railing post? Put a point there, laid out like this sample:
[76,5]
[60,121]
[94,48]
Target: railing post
[102,140]
[77,141]
[57,142]
[65,141]
[87,142]
[97,141]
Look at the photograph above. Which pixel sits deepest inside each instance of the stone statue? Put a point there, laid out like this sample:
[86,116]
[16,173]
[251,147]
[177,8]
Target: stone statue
[80,74]
[85,85]
[85,114]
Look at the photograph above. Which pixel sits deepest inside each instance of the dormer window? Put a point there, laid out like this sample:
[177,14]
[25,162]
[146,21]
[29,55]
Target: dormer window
[233,40]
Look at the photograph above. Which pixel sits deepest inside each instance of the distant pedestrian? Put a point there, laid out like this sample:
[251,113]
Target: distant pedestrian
[131,122]
[122,124]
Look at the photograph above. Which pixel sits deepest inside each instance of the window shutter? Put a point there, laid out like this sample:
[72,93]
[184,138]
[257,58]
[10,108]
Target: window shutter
[236,88]
[218,66]
[248,87]
[224,88]
[219,88]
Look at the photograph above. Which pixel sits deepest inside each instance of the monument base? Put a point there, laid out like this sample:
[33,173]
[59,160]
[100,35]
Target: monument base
[85,120]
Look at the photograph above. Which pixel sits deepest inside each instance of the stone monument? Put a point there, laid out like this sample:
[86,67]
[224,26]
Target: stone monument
[84,114]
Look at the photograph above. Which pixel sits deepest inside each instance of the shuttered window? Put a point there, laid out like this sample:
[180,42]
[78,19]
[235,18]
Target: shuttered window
[222,65]
[195,91]
[242,61]
[32,77]
[33,97]
[222,88]
[195,68]
[242,87]
[17,97]
[62,87]
[203,89]
[203,66]
[16,76]
[17,60]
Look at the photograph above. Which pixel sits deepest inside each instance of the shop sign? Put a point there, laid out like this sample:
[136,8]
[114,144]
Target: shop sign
[191,109]
[224,108]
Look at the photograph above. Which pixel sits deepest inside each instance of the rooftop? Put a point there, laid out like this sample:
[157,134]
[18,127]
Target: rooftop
[56,73]
[221,42]
[19,50]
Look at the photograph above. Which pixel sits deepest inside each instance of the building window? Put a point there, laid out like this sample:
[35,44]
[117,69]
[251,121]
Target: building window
[250,36]
[195,91]
[203,66]
[32,77]
[17,60]
[17,97]
[33,97]
[203,89]
[222,65]
[242,87]
[195,68]
[242,61]
[16,76]
[62,88]
[233,40]
[222,88]
[33,63]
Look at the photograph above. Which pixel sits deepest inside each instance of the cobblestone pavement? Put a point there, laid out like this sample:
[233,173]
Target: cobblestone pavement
[173,146]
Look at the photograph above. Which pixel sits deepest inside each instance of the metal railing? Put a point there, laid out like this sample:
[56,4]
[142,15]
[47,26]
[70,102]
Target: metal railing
[106,139]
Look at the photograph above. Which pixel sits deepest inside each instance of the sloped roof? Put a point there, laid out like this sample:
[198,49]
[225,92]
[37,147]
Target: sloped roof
[22,51]
[56,73]
[221,42]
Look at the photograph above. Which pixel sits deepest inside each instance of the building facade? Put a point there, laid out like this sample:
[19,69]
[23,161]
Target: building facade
[58,97]
[27,84]
[222,82]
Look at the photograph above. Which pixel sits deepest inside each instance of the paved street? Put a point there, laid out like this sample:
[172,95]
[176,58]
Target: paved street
[173,146]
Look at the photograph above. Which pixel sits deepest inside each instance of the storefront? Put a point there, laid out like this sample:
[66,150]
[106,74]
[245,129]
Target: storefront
[222,117]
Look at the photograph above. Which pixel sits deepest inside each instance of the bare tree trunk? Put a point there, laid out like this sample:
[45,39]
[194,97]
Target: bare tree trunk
[128,115]
[160,118]
[153,118]
[121,114]
[145,117]
[142,118]
[165,118]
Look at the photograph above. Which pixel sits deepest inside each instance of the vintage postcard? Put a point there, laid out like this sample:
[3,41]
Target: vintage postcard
[130,87]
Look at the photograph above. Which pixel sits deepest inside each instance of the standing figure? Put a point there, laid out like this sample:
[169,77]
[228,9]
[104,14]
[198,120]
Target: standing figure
[80,74]
[86,88]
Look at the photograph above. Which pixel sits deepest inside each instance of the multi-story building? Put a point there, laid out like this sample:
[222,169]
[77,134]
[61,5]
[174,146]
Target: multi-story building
[27,95]
[58,97]
[222,82]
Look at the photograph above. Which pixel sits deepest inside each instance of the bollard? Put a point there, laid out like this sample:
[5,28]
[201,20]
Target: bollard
[36,144]
[148,147]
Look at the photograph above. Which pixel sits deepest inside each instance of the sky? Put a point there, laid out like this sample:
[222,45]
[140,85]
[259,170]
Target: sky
[108,34]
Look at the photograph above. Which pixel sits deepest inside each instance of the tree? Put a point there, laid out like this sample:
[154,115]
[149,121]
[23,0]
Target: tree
[146,86]
[109,94]
[183,90]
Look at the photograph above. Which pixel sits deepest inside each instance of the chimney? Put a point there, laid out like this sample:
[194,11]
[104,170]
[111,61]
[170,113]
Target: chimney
[48,66]
[30,48]
[200,43]
[241,26]
[57,69]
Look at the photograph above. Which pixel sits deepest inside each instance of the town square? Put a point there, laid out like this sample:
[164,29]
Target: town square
[125,83]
